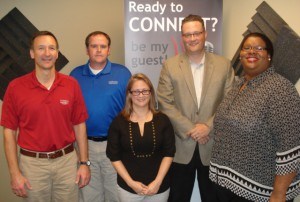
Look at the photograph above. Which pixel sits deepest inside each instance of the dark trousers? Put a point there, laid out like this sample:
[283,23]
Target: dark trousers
[183,178]
[225,195]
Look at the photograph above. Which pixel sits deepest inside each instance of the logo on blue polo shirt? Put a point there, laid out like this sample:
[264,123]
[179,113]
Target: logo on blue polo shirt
[113,82]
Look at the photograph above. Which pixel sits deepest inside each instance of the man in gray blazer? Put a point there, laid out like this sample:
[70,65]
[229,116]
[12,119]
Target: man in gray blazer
[190,88]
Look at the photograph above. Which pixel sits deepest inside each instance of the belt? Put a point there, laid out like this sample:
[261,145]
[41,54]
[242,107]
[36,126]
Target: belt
[48,155]
[97,139]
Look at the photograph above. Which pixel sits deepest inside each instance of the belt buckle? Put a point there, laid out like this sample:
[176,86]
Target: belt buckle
[52,155]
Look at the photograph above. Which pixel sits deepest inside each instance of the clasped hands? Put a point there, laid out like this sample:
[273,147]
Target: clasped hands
[142,189]
[200,133]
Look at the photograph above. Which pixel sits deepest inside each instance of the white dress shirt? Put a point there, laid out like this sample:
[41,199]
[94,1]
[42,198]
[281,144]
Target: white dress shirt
[198,72]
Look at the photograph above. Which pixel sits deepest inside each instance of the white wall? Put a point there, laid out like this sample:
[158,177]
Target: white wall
[72,20]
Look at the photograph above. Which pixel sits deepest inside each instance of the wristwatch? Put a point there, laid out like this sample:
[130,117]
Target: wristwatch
[88,163]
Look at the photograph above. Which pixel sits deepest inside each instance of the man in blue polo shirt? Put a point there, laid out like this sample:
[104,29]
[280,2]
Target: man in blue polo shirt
[103,86]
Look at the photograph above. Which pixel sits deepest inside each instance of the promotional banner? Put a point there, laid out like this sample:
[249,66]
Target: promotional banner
[153,31]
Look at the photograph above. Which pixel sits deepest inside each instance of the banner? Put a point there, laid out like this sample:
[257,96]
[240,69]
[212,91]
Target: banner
[153,31]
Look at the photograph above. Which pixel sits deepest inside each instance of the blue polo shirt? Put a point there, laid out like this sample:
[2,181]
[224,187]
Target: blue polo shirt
[104,94]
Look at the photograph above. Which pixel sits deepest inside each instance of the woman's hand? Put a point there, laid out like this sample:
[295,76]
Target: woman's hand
[138,187]
[277,197]
[153,188]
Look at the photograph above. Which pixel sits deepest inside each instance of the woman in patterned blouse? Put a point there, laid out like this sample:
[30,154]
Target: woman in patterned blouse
[257,146]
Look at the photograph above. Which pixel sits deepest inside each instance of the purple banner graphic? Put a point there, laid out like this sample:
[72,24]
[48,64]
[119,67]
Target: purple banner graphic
[153,31]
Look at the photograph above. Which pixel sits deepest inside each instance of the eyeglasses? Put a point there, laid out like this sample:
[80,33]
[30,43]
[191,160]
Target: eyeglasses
[254,48]
[190,35]
[137,92]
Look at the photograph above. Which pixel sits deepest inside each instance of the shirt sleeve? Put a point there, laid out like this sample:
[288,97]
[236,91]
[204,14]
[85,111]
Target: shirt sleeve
[284,123]
[114,141]
[9,118]
[169,138]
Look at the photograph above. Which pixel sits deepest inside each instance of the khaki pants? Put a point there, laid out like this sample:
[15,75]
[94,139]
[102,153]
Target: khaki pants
[52,180]
[103,184]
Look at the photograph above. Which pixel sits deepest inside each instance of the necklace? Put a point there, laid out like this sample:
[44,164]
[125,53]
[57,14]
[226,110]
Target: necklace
[131,142]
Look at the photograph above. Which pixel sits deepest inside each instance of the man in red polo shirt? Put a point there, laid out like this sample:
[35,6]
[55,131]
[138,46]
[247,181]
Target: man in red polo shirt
[47,110]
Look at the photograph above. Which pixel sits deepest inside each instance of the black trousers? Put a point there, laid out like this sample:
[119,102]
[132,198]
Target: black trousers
[225,195]
[183,179]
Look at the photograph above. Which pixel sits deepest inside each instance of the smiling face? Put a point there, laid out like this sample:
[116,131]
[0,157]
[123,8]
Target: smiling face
[98,50]
[141,100]
[44,51]
[193,36]
[254,57]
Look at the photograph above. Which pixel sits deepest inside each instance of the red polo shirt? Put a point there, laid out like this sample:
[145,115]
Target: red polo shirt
[45,118]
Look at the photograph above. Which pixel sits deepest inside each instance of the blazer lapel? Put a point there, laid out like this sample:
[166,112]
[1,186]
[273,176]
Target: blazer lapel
[188,76]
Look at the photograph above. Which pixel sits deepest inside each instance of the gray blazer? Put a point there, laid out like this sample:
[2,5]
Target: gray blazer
[177,98]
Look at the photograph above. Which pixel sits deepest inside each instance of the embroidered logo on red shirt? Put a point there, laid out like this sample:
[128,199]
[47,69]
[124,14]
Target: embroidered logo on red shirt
[64,102]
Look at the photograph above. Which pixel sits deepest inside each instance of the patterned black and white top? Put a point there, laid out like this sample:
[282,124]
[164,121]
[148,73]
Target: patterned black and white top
[257,136]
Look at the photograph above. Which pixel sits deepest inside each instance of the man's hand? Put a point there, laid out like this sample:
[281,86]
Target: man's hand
[200,133]
[19,184]
[83,176]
